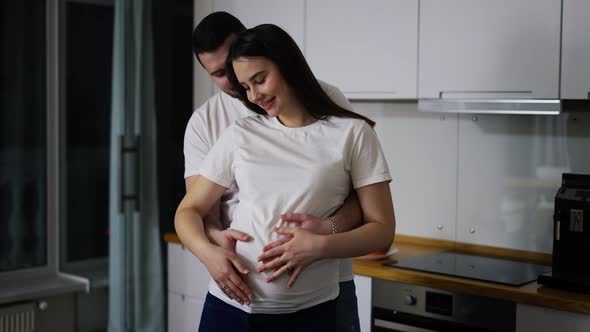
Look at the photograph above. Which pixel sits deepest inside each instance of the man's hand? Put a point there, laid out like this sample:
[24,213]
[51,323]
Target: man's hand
[227,238]
[293,253]
[228,271]
[308,222]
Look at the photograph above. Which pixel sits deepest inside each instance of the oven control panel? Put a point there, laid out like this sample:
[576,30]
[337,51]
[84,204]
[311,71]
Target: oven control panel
[426,307]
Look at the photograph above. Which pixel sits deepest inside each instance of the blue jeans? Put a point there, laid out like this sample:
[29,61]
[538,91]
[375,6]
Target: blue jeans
[220,316]
[347,308]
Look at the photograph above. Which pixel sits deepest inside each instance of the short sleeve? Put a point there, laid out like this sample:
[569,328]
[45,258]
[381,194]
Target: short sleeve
[196,145]
[218,165]
[367,161]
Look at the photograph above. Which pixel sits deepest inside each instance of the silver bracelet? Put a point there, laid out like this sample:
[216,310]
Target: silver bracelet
[333,224]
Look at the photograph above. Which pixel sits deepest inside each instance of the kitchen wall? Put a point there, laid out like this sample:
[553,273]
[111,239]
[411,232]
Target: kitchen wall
[484,179]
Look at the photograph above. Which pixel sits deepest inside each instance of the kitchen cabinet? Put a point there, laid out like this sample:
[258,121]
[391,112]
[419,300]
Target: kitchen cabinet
[184,313]
[532,318]
[366,48]
[489,49]
[188,282]
[575,50]
[364,288]
[286,14]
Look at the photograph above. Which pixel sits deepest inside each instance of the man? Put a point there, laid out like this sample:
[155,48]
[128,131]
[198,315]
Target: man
[212,39]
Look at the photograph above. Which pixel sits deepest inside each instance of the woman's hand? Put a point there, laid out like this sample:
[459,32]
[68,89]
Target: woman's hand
[293,253]
[229,273]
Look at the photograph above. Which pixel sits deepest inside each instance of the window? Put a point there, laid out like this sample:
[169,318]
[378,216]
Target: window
[23,135]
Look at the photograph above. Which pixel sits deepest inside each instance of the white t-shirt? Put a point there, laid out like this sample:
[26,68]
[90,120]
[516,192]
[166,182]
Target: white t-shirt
[206,126]
[308,169]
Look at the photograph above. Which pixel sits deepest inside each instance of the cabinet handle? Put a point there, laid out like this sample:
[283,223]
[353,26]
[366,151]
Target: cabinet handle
[483,93]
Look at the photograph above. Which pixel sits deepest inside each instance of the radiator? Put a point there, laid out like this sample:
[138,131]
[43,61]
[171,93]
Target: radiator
[17,318]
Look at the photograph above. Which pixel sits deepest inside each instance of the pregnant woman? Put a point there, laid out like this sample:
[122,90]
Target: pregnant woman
[301,153]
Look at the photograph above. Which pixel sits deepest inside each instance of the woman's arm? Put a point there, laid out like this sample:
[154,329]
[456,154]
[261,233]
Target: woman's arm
[347,217]
[216,233]
[220,262]
[377,232]
[304,247]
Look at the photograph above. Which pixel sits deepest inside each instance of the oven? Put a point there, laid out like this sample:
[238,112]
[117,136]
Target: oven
[409,308]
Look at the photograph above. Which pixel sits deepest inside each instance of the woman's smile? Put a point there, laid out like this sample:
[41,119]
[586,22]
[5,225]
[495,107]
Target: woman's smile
[267,103]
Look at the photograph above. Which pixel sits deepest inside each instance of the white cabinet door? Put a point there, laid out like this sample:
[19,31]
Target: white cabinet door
[286,14]
[531,318]
[184,313]
[186,274]
[575,50]
[175,313]
[489,49]
[368,49]
[363,287]
[176,269]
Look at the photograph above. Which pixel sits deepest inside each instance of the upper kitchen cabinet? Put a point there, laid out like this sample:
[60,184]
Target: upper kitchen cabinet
[575,50]
[366,48]
[489,49]
[286,14]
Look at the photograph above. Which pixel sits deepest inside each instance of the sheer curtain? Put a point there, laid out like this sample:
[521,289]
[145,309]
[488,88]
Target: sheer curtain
[136,293]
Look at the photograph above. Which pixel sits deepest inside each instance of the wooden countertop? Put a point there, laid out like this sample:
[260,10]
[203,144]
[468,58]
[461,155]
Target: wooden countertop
[532,293]
[409,246]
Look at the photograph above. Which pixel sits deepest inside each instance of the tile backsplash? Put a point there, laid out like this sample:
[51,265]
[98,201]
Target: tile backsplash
[483,179]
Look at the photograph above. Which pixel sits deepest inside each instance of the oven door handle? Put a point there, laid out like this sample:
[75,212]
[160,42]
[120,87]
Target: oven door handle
[387,325]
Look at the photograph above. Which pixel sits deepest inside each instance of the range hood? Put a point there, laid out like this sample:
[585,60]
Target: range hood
[491,106]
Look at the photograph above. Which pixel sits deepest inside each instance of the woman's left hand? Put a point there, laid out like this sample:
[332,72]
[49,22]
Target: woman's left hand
[293,253]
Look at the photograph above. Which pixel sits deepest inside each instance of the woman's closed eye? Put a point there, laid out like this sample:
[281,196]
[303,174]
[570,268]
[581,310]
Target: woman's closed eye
[260,81]
[257,82]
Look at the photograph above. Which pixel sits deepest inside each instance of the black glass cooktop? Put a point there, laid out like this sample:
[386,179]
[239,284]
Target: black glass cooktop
[482,268]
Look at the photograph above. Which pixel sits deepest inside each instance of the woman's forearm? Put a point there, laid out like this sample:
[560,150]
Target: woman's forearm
[361,241]
[376,233]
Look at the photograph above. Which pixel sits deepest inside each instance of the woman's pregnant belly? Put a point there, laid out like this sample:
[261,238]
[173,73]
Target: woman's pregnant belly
[317,283]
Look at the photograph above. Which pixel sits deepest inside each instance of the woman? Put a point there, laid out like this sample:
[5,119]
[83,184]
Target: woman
[302,153]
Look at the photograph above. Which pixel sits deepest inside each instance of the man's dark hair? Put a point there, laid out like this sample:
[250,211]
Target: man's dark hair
[273,43]
[213,30]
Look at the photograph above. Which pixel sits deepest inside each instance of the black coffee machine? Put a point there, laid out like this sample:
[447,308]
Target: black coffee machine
[571,235]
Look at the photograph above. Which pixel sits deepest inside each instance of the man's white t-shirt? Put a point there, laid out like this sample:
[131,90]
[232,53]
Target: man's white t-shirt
[206,125]
[307,169]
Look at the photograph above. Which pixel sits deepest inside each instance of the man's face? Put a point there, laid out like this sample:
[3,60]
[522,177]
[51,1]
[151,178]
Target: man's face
[214,64]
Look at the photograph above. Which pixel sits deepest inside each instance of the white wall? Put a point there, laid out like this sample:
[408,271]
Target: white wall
[489,179]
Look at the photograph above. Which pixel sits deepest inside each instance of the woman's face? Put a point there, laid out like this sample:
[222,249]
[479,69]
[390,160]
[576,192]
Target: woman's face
[264,84]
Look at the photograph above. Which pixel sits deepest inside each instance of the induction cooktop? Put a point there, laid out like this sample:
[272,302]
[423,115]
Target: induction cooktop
[502,271]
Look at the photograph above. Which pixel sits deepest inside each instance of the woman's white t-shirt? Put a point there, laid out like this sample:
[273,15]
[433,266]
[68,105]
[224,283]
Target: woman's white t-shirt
[303,170]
